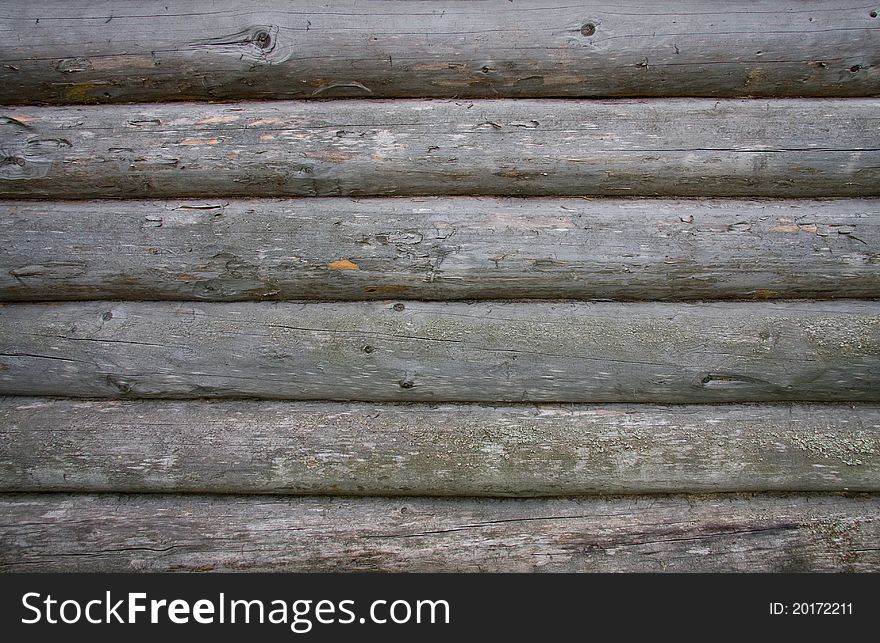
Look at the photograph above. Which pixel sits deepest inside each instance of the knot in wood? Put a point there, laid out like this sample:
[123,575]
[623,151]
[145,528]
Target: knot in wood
[263,39]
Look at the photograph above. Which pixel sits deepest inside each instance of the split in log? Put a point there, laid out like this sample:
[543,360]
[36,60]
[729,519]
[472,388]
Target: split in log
[249,446]
[79,51]
[675,147]
[446,351]
[446,248]
[726,533]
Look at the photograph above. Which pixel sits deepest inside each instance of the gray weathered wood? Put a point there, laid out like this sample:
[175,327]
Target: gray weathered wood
[447,248]
[82,51]
[423,351]
[48,532]
[249,446]
[676,147]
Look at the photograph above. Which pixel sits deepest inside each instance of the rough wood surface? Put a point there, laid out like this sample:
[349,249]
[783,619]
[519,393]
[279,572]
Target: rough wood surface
[82,51]
[249,446]
[675,147]
[50,532]
[439,248]
[445,351]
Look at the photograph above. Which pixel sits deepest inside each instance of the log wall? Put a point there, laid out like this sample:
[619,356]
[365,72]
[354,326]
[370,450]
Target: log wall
[556,288]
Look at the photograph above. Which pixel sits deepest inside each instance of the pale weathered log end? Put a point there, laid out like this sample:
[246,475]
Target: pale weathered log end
[439,248]
[250,533]
[323,448]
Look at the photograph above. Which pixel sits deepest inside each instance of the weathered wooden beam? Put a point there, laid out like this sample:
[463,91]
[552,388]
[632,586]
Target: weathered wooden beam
[445,351]
[47,532]
[79,51]
[447,248]
[249,446]
[697,147]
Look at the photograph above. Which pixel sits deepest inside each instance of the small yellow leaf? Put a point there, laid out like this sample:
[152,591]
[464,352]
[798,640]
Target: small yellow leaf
[343,264]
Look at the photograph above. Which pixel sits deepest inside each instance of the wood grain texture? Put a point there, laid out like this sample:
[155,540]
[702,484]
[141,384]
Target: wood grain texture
[49,532]
[446,351]
[249,446]
[675,147]
[439,248]
[82,51]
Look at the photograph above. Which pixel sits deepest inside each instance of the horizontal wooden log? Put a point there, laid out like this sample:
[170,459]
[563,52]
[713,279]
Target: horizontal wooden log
[80,51]
[696,147]
[448,248]
[249,446]
[47,532]
[446,351]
